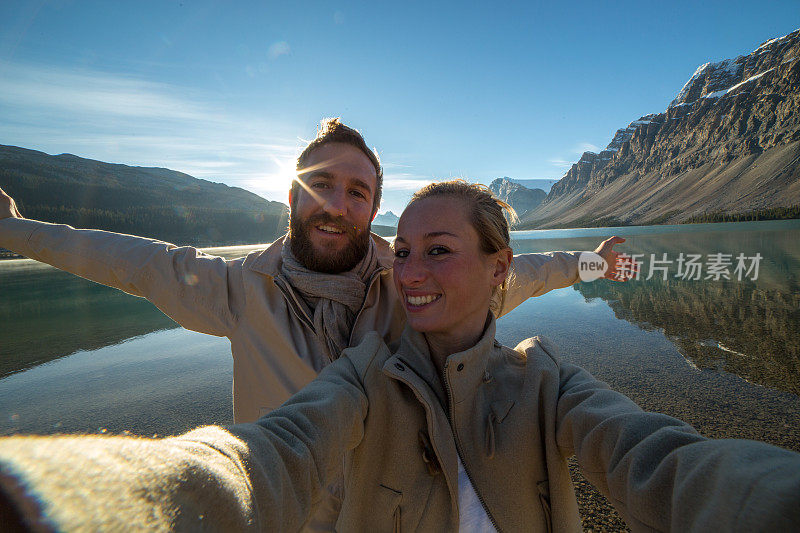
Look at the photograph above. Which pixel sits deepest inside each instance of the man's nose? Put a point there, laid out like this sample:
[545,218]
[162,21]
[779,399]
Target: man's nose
[335,203]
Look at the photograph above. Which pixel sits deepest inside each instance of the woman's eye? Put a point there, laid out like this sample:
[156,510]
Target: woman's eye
[401,253]
[438,250]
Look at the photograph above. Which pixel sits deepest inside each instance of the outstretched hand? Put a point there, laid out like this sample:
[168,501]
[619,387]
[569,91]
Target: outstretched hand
[8,209]
[611,257]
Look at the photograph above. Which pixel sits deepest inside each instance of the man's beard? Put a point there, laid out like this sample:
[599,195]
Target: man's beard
[332,262]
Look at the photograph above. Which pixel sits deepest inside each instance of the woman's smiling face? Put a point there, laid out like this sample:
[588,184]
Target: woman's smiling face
[440,272]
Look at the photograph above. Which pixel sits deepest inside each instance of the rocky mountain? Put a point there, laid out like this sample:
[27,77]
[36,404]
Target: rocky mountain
[154,202]
[386,219]
[728,143]
[521,198]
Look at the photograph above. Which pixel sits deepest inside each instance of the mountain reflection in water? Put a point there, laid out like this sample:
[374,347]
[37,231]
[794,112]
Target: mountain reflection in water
[750,327]
[731,326]
[46,314]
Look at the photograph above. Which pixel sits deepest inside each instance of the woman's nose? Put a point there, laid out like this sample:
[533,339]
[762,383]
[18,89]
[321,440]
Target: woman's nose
[412,270]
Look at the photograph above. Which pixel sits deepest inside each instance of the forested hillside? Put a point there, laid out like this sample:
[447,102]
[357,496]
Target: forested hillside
[152,202]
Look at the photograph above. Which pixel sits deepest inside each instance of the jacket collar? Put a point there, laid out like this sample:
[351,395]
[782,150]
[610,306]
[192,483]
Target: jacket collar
[268,261]
[412,365]
[414,352]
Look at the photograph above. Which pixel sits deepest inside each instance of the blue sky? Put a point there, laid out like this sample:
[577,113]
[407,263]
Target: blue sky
[230,91]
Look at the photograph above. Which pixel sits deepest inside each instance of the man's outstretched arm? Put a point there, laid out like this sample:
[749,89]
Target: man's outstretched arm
[8,209]
[198,291]
[535,274]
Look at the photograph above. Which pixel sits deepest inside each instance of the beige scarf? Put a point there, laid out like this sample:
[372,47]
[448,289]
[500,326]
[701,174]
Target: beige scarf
[334,299]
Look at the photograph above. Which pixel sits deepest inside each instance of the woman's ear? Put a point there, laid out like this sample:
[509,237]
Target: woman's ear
[501,263]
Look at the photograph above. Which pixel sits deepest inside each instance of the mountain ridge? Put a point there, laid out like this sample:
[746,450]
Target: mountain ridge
[152,201]
[521,198]
[729,143]
[387,219]
[115,173]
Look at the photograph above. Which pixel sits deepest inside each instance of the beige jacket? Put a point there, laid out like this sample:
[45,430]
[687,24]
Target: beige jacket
[514,417]
[247,299]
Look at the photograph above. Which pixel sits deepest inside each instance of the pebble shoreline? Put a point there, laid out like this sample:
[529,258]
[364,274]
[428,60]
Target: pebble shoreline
[597,514]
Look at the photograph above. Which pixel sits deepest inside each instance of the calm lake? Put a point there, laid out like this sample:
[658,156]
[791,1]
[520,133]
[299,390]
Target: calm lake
[722,354]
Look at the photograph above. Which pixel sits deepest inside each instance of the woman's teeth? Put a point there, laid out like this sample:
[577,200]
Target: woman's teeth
[422,300]
[329,229]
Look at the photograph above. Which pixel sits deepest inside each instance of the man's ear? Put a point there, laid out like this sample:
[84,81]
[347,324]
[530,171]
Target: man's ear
[501,263]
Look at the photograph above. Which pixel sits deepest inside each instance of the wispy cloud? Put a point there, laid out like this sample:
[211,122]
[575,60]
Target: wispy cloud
[578,149]
[45,89]
[124,119]
[399,181]
[280,48]
[398,188]
[585,147]
[560,163]
[388,166]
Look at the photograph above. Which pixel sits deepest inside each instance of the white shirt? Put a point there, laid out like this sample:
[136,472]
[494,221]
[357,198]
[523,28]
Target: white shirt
[472,517]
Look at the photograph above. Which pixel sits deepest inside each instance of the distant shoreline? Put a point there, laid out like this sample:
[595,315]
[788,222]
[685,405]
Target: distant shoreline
[389,232]
[715,217]
[6,254]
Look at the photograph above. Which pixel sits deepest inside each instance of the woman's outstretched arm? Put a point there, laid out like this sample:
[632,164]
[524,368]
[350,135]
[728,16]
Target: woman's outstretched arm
[662,475]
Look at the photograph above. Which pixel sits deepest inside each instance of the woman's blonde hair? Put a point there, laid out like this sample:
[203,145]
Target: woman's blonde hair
[486,216]
[485,210]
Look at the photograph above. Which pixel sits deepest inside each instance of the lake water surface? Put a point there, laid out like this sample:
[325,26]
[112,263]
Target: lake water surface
[722,354]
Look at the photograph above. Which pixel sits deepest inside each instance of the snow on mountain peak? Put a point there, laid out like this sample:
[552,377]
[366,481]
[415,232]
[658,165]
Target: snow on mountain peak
[767,44]
[715,79]
[713,76]
[723,92]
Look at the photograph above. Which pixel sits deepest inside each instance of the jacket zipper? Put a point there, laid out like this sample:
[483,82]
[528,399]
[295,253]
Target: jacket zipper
[429,415]
[460,453]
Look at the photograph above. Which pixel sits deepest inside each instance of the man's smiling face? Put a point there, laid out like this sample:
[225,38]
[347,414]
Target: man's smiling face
[332,209]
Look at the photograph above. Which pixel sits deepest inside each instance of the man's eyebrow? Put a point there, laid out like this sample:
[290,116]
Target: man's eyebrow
[315,174]
[363,184]
[312,173]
